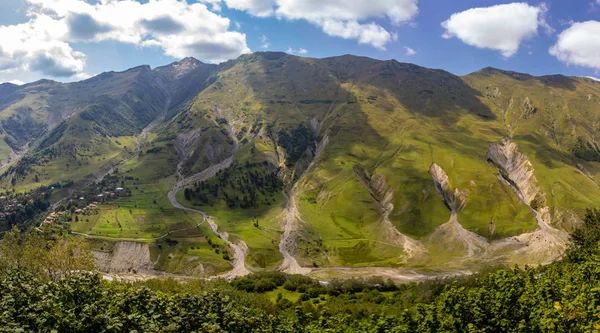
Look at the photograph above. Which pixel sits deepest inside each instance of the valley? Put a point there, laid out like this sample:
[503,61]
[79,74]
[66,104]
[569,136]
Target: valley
[335,167]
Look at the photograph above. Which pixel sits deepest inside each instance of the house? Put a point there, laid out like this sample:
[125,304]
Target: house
[119,189]
[78,211]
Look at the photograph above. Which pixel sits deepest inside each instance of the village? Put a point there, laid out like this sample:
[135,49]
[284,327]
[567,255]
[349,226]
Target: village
[86,201]
[19,208]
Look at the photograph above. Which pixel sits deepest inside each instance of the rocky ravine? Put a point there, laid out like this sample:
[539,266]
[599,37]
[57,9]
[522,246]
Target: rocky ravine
[452,232]
[516,171]
[545,244]
[291,215]
[383,196]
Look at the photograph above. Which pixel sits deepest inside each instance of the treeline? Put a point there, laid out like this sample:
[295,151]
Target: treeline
[295,142]
[559,297]
[586,151]
[245,186]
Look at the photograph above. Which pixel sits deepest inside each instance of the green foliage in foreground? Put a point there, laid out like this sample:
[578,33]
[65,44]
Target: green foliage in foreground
[560,297]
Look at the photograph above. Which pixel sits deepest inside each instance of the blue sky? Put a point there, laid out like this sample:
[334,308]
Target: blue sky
[69,40]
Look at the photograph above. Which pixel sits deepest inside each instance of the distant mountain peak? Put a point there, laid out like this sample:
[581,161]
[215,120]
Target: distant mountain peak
[142,68]
[514,75]
[189,60]
[180,68]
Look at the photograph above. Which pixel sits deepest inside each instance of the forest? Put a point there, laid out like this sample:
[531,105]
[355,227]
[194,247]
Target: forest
[245,186]
[48,284]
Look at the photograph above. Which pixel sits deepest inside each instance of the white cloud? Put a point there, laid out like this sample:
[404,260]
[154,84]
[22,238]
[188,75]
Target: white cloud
[397,11]
[264,42]
[17,82]
[82,76]
[37,46]
[338,18]
[579,45]
[500,27]
[261,8]
[215,5]
[180,29]
[370,33]
[298,51]
[593,78]
[410,51]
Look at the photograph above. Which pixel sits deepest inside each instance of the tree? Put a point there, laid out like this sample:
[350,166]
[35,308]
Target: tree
[43,254]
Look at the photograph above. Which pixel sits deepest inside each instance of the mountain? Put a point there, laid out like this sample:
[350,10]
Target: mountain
[71,127]
[314,164]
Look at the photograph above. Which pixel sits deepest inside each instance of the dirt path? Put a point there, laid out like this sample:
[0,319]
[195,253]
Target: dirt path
[290,216]
[240,249]
[394,274]
[290,264]
[134,239]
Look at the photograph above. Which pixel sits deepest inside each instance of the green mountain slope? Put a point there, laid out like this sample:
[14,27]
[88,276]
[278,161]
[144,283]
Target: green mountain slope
[87,127]
[381,125]
[344,161]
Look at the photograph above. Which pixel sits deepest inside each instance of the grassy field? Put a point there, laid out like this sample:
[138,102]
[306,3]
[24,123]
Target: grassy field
[178,239]
[263,241]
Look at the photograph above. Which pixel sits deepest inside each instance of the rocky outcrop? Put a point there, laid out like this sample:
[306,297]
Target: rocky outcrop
[380,191]
[452,234]
[516,171]
[455,200]
[515,168]
[185,141]
[527,108]
[126,257]
[383,197]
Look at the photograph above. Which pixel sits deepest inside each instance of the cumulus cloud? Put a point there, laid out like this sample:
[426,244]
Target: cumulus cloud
[410,51]
[261,8]
[83,26]
[43,43]
[338,18]
[38,46]
[579,45]
[501,27]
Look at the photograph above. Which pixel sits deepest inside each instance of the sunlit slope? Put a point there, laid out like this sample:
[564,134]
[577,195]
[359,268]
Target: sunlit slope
[555,120]
[400,119]
[381,125]
[382,163]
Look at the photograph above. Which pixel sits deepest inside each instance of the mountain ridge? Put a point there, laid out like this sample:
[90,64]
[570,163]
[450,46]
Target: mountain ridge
[355,138]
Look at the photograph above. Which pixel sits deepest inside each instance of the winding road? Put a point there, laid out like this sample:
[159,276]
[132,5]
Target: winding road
[240,249]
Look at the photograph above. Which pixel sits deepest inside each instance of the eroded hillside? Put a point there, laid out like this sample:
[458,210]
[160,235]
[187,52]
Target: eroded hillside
[314,164]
